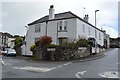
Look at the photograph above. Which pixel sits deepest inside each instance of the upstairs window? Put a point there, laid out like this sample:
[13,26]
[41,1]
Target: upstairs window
[37,28]
[95,33]
[89,30]
[65,25]
[60,25]
[99,36]
[84,28]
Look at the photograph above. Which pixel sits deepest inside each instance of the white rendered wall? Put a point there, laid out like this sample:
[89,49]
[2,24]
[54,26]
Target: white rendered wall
[86,33]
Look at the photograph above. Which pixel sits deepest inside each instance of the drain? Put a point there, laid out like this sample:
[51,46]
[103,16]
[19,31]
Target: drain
[110,74]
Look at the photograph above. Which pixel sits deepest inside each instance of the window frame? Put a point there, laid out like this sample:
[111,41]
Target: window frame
[37,28]
[65,25]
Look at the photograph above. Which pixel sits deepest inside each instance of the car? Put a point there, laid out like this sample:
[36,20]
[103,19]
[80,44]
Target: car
[11,52]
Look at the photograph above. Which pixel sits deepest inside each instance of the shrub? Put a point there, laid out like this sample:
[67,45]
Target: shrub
[33,48]
[82,43]
[52,46]
[45,41]
[68,45]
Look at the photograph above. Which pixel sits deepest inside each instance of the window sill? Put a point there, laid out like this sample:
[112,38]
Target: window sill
[62,31]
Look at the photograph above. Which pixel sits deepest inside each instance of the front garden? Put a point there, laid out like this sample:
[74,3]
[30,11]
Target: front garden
[44,50]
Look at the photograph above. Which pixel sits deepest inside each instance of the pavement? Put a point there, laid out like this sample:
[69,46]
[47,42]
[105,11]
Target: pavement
[82,59]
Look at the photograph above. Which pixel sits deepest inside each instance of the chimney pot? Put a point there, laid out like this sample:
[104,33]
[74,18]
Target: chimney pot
[51,6]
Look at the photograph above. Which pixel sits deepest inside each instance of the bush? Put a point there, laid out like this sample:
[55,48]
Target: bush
[45,41]
[52,46]
[33,48]
[82,43]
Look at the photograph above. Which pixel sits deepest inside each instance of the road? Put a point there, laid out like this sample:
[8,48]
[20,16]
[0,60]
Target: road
[106,67]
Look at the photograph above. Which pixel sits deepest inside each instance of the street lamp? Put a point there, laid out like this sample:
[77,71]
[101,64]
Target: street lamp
[95,32]
[95,16]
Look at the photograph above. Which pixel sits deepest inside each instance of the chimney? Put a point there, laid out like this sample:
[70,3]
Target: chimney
[86,18]
[51,12]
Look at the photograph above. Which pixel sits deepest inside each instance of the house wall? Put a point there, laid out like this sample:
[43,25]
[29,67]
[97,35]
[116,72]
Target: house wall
[51,31]
[0,40]
[31,35]
[10,43]
[89,31]
[70,33]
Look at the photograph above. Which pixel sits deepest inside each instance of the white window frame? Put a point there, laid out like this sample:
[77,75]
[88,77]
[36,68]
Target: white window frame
[65,25]
[99,36]
[60,25]
[37,28]
[89,30]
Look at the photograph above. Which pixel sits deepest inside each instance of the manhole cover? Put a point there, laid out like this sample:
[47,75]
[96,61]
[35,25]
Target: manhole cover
[110,74]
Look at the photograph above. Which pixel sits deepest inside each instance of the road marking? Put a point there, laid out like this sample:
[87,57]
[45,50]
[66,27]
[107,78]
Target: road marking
[109,74]
[59,66]
[3,62]
[68,63]
[118,63]
[35,69]
[80,73]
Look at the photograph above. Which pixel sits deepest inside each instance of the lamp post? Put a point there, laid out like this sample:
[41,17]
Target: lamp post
[95,32]
[95,16]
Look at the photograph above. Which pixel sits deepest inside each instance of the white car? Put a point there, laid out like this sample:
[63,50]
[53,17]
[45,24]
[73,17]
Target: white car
[11,52]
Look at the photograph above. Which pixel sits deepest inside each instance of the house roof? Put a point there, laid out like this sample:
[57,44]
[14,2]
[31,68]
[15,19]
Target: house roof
[61,16]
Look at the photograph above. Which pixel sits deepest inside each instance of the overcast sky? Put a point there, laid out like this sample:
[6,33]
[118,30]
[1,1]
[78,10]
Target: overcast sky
[16,14]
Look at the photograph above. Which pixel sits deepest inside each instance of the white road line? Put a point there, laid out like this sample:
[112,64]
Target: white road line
[118,63]
[68,63]
[109,74]
[80,73]
[59,66]
[35,69]
[3,62]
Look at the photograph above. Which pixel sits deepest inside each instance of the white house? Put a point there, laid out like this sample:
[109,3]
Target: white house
[61,27]
[11,42]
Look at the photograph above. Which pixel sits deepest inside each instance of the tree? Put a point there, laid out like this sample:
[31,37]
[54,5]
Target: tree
[18,44]
[45,41]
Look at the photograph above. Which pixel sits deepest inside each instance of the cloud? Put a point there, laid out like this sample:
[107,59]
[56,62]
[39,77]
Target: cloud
[112,32]
[18,13]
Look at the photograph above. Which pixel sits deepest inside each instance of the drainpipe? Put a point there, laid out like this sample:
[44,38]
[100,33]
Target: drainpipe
[57,35]
[46,28]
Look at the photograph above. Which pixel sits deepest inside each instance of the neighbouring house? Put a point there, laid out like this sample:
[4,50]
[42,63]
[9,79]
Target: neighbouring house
[6,40]
[62,27]
[11,42]
[107,38]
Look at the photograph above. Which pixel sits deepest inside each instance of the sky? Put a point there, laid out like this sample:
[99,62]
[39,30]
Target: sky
[16,14]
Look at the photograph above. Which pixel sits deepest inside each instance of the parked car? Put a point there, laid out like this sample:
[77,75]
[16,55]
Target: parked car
[11,52]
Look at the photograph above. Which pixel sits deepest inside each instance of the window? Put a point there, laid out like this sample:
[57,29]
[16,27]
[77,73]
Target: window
[95,33]
[36,39]
[99,36]
[60,25]
[65,25]
[37,28]
[84,28]
[89,30]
